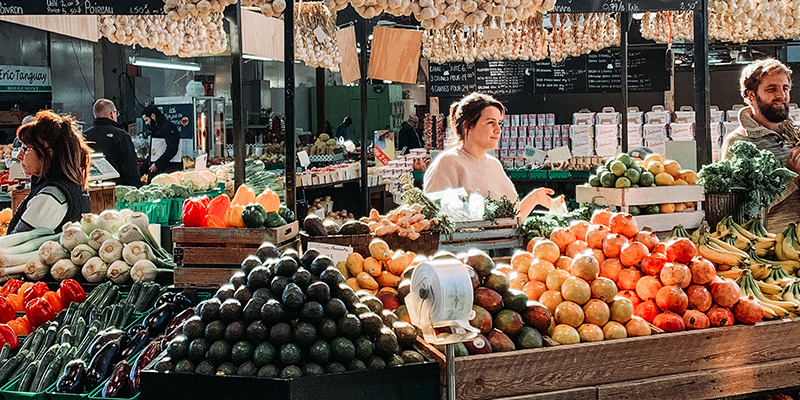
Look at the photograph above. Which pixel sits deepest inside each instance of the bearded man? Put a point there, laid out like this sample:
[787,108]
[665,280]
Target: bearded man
[765,86]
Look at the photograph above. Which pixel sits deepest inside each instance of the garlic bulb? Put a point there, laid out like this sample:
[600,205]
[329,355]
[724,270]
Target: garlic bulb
[188,37]
[180,9]
[316,51]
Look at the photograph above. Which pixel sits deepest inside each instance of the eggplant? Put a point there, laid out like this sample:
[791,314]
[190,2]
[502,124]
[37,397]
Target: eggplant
[178,320]
[191,294]
[118,385]
[164,298]
[146,357]
[175,332]
[105,337]
[180,300]
[73,379]
[101,363]
[136,344]
[156,322]
[134,329]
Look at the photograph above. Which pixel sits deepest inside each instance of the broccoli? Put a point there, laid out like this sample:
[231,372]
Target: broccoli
[717,177]
[122,190]
[743,149]
[134,196]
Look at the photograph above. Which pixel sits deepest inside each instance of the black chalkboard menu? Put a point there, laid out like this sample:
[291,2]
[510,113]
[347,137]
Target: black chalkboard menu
[454,78]
[568,76]
[504,77]
[81,7]
[581,6]
[646,71]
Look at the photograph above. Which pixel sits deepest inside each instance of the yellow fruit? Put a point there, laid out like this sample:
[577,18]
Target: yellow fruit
[689,176]
[664,179]
[680,207]
[355,263]
[640,163]
[689,204]
[673,168]
[398,263]
[680,182]
[372,266]
[667,208]
[654,157]
[655,167]
[379,250]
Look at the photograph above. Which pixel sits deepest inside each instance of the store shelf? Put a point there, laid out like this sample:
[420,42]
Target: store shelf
[639,196]
[665,222]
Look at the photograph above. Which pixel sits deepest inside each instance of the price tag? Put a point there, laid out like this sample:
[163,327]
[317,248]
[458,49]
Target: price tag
[559,154]
[200,162]
[492,34]
[304,160]
[320,34]
[336,253]
[534,155]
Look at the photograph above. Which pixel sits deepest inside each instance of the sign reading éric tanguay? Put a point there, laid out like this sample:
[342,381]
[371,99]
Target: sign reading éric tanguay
[17,78]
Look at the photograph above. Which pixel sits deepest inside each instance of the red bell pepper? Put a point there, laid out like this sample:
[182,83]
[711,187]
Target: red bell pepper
[71,292]
[54,301]
[39,312]
[7,312]
[7,335]
[37,290]
[12,286]
[194,212]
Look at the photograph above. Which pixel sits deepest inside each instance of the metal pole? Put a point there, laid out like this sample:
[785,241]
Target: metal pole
[288,78]
[450,353]
[361,34]
[623,42]
[234,15]
[320,100]
[702,85]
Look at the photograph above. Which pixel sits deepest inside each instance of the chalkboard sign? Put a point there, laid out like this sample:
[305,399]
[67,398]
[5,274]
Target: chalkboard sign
[452,79]
[81,7]
[581,6]
[568,76]
[646,71]
[504,77]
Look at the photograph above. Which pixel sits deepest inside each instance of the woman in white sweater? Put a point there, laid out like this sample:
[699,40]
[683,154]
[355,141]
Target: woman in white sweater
[476,121]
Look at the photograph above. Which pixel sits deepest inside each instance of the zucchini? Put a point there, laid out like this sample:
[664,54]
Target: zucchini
[49,340]
[31,338]
[5,352]
[24,384]
[134,293]
[50,375]
[64,336]
[87,341]
[22,364]
[9,366]
[46,360]
[79,328]
[126,316]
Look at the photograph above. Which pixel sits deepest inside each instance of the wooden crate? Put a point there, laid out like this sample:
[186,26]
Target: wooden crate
[703,364]
[493,237]
[427,243]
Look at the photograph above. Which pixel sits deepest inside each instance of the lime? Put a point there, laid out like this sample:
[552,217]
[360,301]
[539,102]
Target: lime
[622,182]
[607,179]
[618,168]
[634,210]
[594,181]
[647,179]
[632,175]
[653,209]
[626,159]
[634,185]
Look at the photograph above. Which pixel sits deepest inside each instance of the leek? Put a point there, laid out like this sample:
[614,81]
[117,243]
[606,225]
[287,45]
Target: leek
[135,251]
[82,253]
[8,260]
[97,237]
[51,251]
[130,233]
[125,214]
[119,272]
[14,272]
[94,270]
[163,257]
[69,224]
[16,239]
[145,270]
[111,250]
[109,220]
[88,223]
[35,269]
[64,269]
[30,245]
[72,237]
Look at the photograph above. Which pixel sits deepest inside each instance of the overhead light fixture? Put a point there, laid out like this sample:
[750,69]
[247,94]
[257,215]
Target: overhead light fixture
[744,56]
[164,64]
[257,58]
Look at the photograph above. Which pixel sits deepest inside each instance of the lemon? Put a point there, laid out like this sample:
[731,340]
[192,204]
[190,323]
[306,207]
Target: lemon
[655,167]
[618,168]
[622,182]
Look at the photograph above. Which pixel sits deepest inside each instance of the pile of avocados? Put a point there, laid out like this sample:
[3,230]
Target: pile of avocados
[289,316]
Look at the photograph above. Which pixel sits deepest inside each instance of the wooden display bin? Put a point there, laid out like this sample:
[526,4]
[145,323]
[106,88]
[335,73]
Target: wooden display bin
[207,257]
[624,198]
[501,235]
[427,243]
[702,364]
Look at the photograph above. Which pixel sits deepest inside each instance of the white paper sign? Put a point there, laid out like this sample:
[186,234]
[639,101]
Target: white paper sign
[559,154]
[320,34]
[534,155]
[336,253]
[304,160]
[200,162]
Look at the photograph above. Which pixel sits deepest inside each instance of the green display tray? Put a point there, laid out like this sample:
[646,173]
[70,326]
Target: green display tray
[51,392]
[558,174]
[579,174]
[518,173]
[418,174]
[9,392]
[97,393]
[538,174]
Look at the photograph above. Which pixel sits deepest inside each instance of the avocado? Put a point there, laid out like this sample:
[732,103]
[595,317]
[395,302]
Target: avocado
[356,365]
[280,334]
[263,293]
[327,329]
[235,331]
[508,321]
[319,292]
[249,263]
[480,261]
[386,342]
[293,298]
[267,250]
[208,310]
[388,317]
[225,292]
[343,350]
[259,277]
[186,366]
[376,362]
[252,309]
[278,284]
[335,367]
[515,300]
[164,365]
[241,352]
[219,352]
[308,256]
[215,331]
[374,303]
[312,312]
[194,328]
[364,348]
[320,264]
[226,368]
[331,275]
[268,371]
[354,228]
[405,332]
[371,323]
[264,354]
[289,354]
[412,357]
[290,252]
[312,369]
[529,338]
[360,308]
[349,326]
[273,312]
[247,369]
[496,281]
[205,367]
[320,352]
[302,278]
[347,295]
[286,266]
[291,371]
[313,225]
[500,341]
[243,294]
[335,309]
[198,348]
[257,332]
[394,360]
[305,334]
[231,310]
[178,348]
[238,279]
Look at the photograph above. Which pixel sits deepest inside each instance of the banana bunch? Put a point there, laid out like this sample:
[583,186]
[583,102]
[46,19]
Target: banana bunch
[760,264]
[733,273]
[743,239]
[756,226]
[786,245]
[720,252]
[772,309]
[777,276]
[677,232]
[695,237]
[792,292]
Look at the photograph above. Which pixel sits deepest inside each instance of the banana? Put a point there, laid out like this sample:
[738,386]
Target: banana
[719,257]
[768,312]
[788,249]
[733,273]
[722,245]
[779,247]
[763,244]
[768,288]
[749,286]
[760,271]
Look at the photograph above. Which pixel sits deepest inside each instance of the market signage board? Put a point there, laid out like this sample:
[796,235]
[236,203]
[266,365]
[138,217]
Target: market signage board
[17,78]
[81,7]
[582,6]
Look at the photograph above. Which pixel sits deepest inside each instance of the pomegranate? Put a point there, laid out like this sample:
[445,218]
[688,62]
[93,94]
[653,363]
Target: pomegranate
[647,287]
[612,245]
[539,269]
[675,274]
[576,290]
[648,239]
[669,322]
[534,289]
[672,298]
[610,268]
[624,224]
[637,327]
[628,278]
[565,334]
[647,310]
[556,278]
[632,254]
[653,263]
[614,330]
[595,236]
[575,248]
[621,310]
[601,217]
[521,261]
[603,289]
[596,312]
[631,296]
[564,263]
[746,311]
[719,316]
[725,292]
[703,271]
[661,248]
[579,228]
[681,250]
[563,237]
[546,250]
[694,319]
[590,333]
[569,313]
[551,299]
[585,266]
[699,297]
[598,254]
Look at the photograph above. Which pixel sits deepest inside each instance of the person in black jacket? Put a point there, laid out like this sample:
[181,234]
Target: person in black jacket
[408,135]
[108,137]
[162,128]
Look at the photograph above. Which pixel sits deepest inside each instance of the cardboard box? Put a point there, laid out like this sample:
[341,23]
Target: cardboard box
[658,116]
[655,137]
[682,131]
[514,133]
[503,153]
[523,120]
[685,117]
[608,116]
[581,138]
[550,119]
[729,127]
[635,117]
[515,119]
[541,119]
[606,140]
[584,117]
[635,135]
[717,116]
